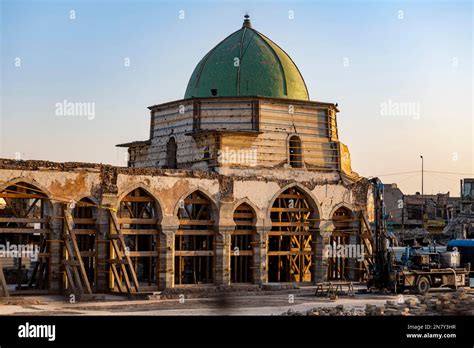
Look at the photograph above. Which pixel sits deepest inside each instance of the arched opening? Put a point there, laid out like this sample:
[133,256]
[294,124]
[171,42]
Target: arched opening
[139,215]
[242,239]
[194,242]
[171,154]
[296,152]
[85,230]
[344,246]
[24,231]
[291,240]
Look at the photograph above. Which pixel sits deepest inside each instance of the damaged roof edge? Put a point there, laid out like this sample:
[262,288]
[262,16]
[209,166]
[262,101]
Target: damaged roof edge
[293,101]
[135,143]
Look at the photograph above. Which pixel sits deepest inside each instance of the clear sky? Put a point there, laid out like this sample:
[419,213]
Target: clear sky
[401,72]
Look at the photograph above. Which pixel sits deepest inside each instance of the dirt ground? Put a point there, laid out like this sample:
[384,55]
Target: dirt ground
[249,304]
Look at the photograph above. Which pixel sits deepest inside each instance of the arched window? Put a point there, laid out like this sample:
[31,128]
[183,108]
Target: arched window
[24,212]
[85,216]
[291,241]
[295,151]
[194,241]
[171,152]
[138,215]
[241,263]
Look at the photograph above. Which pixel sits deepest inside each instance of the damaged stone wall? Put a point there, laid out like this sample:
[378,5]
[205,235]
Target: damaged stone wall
[64,183]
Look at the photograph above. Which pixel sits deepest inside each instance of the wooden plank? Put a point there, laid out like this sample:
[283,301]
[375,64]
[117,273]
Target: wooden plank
[186,222]
[123,263]
[24,230]
[289,253]
[84,221]
[143,253]
[243,232]
[290,224]
[84,231]
[195,232]
[116,225]
[282,233]
[243,215]
[68,222]
[129,221]
[243,253]
[70,278]
[128,231]
[244,223]
[194,253]
[117,278]
[23,220]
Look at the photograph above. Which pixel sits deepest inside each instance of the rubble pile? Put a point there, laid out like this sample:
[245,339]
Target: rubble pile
[457,303]
[327,311]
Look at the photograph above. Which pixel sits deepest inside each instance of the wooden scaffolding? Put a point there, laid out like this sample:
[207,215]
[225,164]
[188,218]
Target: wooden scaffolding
[24,222]
[134,243]
[194,243]
[241,249]
[291,239]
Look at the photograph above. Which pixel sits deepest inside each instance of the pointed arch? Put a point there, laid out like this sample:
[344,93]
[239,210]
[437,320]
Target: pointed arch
[25,214]
[204,192]
[292,239]
[139,216]
[195,240]
[242,242]
[146,191]
[313,201]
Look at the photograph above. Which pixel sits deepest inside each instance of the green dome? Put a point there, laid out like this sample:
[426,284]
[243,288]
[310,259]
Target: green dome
[247,63]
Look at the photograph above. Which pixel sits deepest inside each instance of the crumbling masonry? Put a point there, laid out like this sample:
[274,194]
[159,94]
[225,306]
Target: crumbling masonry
[244,181]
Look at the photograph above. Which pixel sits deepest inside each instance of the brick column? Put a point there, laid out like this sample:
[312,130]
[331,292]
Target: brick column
[166,257]
[320,268]
[109,200]
[260,270]
[102,249]
[55,249]
[222,254]
[352,262]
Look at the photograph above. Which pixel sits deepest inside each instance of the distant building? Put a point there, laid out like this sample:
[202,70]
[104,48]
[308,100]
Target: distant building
[423,212]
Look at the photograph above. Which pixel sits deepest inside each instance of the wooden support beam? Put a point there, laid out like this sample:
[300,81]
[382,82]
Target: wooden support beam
[23,220]
[24,230]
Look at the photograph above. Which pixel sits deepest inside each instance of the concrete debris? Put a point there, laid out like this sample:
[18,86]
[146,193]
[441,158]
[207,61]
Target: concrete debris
[457,303]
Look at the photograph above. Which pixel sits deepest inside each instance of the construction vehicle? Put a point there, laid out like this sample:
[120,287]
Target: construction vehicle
[421,270]
[418,270]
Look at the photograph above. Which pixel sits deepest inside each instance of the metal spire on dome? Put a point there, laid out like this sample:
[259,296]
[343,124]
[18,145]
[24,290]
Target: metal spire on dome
[247,23]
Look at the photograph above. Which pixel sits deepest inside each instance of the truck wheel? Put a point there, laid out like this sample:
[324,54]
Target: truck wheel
[423,285]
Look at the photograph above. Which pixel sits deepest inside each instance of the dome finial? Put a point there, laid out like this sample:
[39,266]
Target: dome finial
[247,23]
